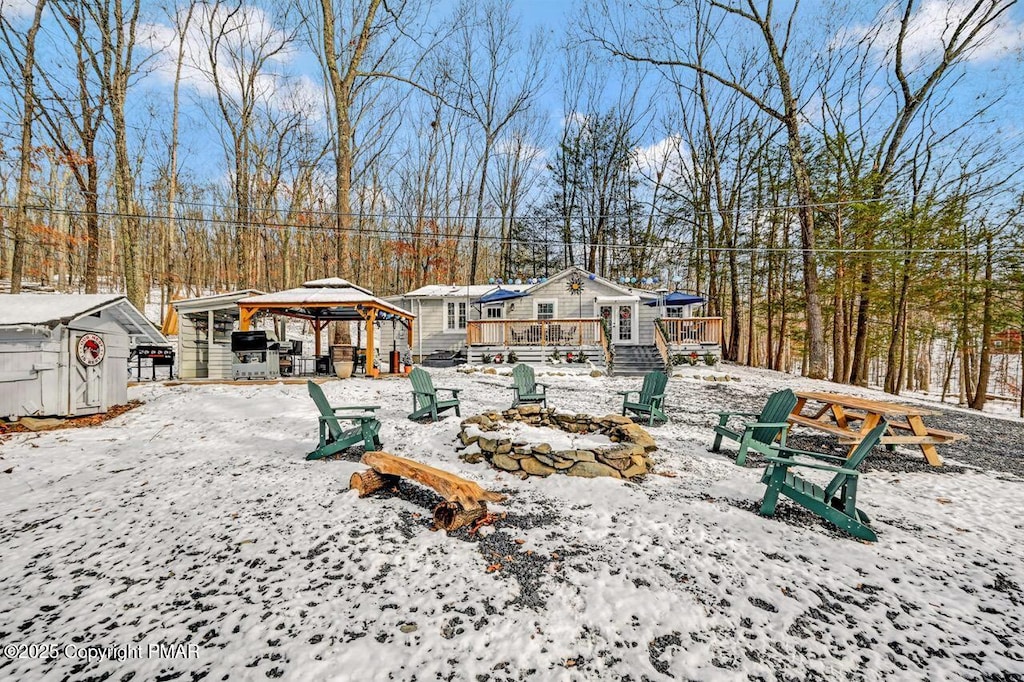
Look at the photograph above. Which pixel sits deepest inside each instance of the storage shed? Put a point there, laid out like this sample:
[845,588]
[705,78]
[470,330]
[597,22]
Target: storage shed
[204,334]
[66,355]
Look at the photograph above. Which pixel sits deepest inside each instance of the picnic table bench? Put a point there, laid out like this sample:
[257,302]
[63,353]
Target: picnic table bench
[838,411]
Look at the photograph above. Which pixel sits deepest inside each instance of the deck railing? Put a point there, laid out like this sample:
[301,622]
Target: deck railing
[577,332]
[681,331]
[661,342]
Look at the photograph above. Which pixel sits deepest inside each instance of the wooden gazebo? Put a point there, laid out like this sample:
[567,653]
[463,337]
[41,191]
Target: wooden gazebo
[323,301]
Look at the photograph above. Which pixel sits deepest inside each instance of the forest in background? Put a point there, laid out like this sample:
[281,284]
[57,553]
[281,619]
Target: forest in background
[843,189]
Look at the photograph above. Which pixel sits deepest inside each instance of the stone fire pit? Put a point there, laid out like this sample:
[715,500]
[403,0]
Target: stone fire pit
[598,446]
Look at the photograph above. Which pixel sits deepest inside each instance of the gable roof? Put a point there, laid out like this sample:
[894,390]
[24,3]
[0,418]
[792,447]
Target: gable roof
[625,291]
[52,310]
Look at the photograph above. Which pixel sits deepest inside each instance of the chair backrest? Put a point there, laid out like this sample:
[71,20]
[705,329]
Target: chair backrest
[654,384]
[421,381]
[317,394]
[856,457]
[524,378]
[776,411]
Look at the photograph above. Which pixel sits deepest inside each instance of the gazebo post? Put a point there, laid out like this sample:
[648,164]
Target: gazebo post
[408,335]
[370,316]
[245,315]
[316,342]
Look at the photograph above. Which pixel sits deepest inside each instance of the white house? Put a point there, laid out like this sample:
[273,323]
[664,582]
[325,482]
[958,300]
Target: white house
[66,355]
[573,311]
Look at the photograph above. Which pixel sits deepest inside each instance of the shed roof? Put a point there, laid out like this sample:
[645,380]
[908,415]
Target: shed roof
[214,301]
[51,310]
[460,290]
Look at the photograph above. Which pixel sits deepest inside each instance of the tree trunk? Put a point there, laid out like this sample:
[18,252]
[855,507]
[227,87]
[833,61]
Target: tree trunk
[25,151]
[985,362]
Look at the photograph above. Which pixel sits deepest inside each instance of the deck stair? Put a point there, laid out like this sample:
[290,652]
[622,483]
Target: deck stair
[634,361]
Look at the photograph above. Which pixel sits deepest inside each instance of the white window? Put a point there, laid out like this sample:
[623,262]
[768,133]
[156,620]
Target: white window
[493,313]
[675,312]
[545,310]
[455,315]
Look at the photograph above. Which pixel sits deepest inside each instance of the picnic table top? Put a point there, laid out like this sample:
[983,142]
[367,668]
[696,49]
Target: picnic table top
[871,406]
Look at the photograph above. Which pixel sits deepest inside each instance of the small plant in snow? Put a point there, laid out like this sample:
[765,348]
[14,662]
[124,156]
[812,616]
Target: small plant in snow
[487,358]
[512,357]
[710,359]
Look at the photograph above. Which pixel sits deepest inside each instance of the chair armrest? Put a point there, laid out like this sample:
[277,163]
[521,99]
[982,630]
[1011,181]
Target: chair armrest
[626,393]
[738,414]
[787,462]
[766,425]
[808,453]
[360,416]
[544,386]
[357,407]
[454,391]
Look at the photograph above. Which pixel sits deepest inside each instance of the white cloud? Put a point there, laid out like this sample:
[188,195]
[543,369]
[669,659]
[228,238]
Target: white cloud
[17,9]
[662,157]
[930,31]
[237,41]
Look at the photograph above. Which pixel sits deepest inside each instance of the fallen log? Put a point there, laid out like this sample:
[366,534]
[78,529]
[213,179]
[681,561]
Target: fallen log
[452,488]
[370,481]
[451,515]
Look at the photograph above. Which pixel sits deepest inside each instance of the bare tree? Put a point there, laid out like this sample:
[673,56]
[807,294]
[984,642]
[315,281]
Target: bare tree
[23,55]
[779,98]
[496,85]
[968,26]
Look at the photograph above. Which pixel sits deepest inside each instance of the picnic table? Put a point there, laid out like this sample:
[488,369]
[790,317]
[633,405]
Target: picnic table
[852,418]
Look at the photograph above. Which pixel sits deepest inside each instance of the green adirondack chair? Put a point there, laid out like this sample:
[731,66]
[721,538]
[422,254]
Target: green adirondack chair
[760,434]
[424,397]
[334,438]
[650,398]
[526,387]
[837,501]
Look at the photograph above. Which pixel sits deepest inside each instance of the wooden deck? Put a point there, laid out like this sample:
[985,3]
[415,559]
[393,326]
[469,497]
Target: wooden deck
[512,333]
[691,331]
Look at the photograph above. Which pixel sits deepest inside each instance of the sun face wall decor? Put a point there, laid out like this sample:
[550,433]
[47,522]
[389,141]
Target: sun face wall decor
[575,285]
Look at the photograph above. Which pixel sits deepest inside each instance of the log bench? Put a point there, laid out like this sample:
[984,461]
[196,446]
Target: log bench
[465,502]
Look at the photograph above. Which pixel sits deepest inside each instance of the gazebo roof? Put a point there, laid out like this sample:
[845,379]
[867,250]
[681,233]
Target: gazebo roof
[332,299]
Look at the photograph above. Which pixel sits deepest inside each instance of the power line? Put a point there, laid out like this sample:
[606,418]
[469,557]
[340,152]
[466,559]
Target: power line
[667,243]
[413,216]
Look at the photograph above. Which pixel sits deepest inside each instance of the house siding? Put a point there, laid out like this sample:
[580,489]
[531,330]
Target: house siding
[429,333]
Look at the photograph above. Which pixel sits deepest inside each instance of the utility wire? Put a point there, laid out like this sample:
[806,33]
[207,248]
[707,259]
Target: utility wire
[666,242]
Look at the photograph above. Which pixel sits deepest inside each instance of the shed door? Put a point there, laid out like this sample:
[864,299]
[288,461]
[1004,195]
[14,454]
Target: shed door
[86,379]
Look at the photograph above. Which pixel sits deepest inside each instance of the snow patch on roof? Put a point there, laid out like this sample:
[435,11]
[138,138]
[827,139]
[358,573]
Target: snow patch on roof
[460,291]
[50,309]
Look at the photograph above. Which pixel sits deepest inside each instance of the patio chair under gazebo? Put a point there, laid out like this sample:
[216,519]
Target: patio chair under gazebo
[328,300]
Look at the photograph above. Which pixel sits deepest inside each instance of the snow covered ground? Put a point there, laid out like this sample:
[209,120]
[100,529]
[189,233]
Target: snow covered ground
[194,520]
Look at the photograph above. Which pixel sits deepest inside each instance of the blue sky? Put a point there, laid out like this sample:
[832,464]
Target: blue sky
[995,71]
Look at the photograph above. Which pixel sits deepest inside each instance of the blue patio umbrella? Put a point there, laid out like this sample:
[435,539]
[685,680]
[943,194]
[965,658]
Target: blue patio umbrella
[675,299]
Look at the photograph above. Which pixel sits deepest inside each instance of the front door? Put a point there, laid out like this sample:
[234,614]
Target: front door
[621,317]
[85,373]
